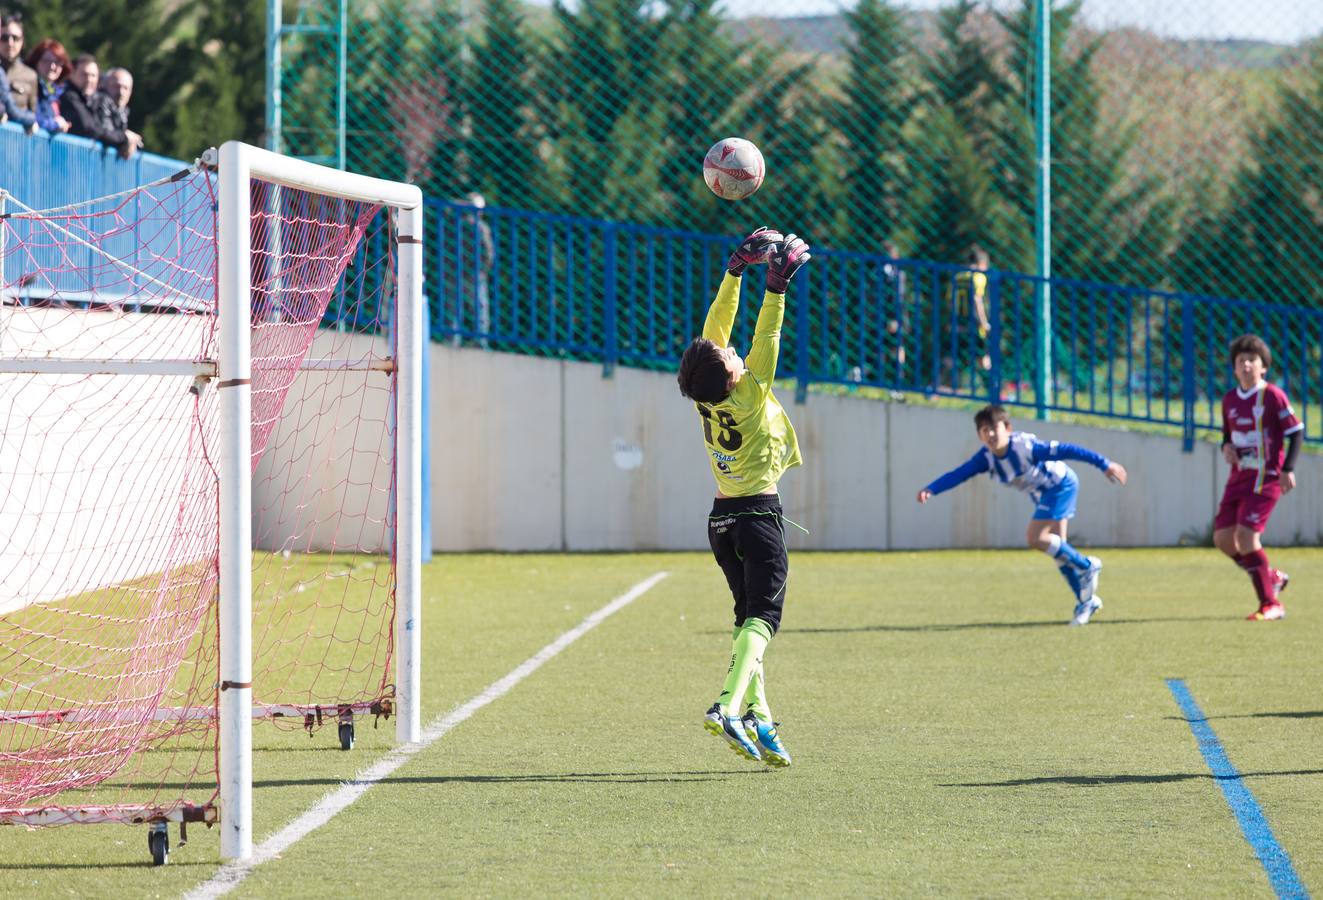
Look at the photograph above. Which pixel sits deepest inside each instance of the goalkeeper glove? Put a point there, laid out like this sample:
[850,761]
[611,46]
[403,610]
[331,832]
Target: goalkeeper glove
[785,261]
[752,250]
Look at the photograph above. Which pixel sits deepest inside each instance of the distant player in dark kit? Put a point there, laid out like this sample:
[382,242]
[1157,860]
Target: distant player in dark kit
[1261,439]
[750,443]
[1020,460]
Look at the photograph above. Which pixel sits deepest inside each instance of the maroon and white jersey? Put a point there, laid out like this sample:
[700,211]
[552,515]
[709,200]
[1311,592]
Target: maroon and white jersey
[1258,421]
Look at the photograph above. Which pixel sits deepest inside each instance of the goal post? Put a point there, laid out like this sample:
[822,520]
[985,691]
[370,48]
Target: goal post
[210,482]
[238,166]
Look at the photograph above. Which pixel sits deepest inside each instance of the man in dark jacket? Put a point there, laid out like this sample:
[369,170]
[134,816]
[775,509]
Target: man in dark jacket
[111,104]
[22,79]
[76,105]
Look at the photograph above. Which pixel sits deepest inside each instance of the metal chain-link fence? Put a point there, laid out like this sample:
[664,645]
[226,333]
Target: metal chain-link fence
[1187,145]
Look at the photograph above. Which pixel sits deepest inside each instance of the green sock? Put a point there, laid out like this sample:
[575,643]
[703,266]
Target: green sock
[755,698]
[746,657]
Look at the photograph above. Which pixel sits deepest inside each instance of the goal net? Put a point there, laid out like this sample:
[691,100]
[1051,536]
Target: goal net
[208,484]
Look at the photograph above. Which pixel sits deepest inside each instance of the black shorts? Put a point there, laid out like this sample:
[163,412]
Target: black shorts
[748,538]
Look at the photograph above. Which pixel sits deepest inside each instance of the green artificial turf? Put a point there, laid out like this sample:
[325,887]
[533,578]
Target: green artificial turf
[951,737]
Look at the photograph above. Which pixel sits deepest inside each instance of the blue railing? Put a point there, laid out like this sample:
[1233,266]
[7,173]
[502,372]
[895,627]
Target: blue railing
[121,250]
[46,171]
[634,295]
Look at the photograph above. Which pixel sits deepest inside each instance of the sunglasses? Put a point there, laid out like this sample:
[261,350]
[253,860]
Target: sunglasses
[17,38]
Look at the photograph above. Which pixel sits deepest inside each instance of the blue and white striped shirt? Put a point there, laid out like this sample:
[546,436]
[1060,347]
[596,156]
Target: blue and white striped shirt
[1030,465]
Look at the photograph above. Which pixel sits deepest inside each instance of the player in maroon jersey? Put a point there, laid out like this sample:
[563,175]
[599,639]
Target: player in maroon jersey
[1260,440]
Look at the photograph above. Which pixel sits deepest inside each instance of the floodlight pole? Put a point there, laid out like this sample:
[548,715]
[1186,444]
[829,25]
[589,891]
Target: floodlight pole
[1043,211]
[274,98]
[342,76]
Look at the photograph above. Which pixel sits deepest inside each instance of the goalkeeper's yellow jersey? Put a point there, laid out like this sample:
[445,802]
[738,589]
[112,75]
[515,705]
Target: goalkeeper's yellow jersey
[750,441]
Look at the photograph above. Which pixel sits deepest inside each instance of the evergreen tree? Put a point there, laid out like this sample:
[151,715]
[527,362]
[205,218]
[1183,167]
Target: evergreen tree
[1268,243]
[225,98]
[599,68]
[956,207]
[784,117]
[1107,225]
[504,143]
[708,81]
[376,84]
[953,204]
[879,98]
[428,102]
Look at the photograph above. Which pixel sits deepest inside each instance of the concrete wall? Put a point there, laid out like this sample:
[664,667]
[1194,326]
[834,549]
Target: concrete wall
[538,454]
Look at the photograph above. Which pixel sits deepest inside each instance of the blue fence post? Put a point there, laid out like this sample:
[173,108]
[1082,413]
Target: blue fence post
[609,299]
[1187,373]
[425,484]
[801,338]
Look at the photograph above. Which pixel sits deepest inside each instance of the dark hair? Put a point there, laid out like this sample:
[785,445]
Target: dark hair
[703,376]
[1251,343]
[56,49]
[978,256]
[13,18]
[990,415]
[83,59]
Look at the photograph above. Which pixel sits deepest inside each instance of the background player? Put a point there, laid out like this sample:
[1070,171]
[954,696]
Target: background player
[750,443]
[1257,420]
[1020,460]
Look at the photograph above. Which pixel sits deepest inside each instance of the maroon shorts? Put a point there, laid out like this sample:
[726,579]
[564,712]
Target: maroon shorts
[1241,506]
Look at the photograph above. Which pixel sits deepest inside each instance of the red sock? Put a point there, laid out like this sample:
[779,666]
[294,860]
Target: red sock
[1260,572]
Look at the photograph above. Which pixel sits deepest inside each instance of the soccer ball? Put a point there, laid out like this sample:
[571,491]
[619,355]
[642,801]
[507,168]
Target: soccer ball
[733,168]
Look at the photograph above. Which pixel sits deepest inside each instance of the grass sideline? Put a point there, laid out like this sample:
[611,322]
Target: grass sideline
[951,737]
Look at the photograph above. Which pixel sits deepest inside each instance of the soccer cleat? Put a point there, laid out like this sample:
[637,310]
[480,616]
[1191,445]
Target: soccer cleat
[1085,609]
[750,723]
[1279,581]
[764,735]
[1267,613]
[732,731]
[1089,582]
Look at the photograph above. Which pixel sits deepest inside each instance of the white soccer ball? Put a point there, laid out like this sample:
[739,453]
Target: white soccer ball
[733,168]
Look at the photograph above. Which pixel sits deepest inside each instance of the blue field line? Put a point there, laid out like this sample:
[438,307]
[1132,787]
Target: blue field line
[1281,874]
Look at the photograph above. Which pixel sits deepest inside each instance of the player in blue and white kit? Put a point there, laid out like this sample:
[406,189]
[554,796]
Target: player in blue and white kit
[1020,460]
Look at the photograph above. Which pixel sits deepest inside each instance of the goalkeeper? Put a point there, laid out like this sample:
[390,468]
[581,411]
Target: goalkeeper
[750,442]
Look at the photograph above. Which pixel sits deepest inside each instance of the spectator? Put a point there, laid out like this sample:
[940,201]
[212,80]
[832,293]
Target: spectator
[52,66]
[22,80]
[894,356]
[11,111]
[79,105]
[111,103]
[474,228]
[965,344]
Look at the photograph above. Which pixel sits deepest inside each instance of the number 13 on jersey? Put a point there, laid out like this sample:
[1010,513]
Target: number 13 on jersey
[727,436]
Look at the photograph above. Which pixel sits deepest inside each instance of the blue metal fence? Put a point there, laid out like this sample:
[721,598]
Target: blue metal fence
[632,295]
[116,251]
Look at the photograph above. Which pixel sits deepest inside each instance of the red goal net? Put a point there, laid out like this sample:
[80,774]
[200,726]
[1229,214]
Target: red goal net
[109,535]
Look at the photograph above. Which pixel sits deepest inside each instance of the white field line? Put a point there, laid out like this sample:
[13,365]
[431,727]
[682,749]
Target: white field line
[232,874]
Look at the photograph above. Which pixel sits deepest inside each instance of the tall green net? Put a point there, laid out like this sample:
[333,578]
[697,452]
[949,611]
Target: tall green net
[1187,144]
